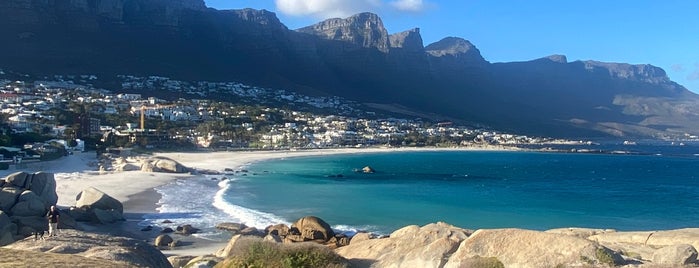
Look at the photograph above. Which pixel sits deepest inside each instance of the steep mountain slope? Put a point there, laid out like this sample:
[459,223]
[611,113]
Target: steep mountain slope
[354,57]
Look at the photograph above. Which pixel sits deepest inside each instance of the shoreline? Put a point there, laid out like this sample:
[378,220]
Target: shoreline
[136,189]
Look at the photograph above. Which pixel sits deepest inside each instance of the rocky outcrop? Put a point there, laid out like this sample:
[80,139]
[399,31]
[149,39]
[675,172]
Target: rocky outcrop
[24,200]
[98,246]
[237,244]
[456,48]
[96,206]
[162,164]
[681,254]
[411,246]
[651,238]
[409,40]
[312,228]
[365,30]
[526,248]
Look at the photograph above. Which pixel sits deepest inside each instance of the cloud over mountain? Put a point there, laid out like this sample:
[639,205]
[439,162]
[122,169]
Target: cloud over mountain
[409,5]
[325,9]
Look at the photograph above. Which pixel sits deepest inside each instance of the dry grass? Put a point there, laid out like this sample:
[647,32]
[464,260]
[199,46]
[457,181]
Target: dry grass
[21,258]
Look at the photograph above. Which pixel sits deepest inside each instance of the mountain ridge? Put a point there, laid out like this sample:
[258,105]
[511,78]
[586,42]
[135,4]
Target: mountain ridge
[355,58]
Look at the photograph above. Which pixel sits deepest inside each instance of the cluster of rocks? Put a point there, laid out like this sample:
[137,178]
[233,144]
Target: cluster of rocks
[24,201]
[443,245]
[145,164]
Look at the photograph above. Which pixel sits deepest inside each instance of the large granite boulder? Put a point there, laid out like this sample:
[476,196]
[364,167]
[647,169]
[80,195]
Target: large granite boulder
[24,199]
[162,164]
[9,196]
[526,248]
[681,254]
[17,179]
[281,230]
[44,185]
[163,240]
[130,251]
[97,206]
[7,229]
[236,245]
[411,246]
[651,238]
[232,227]
[313,228]
[29,204]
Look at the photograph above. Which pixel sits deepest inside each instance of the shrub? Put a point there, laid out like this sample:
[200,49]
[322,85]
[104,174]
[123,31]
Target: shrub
[268,254]
[483,262]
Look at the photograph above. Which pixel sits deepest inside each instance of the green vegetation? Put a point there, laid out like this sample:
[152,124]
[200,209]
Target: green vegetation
[483,262]
[268,254]
[604,256]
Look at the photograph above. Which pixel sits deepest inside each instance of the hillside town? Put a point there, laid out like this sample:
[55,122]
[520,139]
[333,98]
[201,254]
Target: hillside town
[161,113]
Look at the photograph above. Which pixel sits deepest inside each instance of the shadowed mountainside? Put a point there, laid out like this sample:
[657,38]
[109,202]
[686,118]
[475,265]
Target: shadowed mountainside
[355,58]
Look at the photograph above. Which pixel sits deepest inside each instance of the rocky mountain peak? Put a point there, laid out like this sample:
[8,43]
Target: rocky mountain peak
[363,29]
[642,72]
[262,17]
[454,47]
[408,40]
[556,58]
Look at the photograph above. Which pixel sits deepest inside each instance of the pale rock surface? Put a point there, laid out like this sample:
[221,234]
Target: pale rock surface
[91,245]
[208,261]
[681,254]
[526,248]
[579,232]
[650,238]
[411,246]
[358,237]
[237,243]
[179,261]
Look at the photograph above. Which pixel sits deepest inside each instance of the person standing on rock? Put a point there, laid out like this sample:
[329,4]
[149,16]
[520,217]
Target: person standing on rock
[53,215]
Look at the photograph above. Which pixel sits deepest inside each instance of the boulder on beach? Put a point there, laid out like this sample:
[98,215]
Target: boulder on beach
[233,227]
[162,164]
[186,229]
[94,205]
[313,228]
[162,240]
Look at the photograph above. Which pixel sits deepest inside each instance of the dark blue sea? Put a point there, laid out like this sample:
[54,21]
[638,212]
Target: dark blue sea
[643,190]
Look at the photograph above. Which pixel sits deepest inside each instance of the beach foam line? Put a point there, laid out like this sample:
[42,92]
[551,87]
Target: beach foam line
[249,217]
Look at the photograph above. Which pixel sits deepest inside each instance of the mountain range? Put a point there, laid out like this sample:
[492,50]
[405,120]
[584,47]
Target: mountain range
[355,58]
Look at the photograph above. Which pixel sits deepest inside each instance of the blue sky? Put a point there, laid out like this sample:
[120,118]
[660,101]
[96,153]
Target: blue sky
[661,33]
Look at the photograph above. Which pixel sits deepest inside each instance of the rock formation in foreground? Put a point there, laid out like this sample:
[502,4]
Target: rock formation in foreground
[443,245]
[121,250]
[24,200]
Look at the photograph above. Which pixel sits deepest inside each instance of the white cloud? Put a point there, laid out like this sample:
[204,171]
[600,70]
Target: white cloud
[326,8]
[409,5]
[343,8]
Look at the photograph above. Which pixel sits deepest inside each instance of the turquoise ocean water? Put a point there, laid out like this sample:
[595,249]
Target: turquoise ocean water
[469,189]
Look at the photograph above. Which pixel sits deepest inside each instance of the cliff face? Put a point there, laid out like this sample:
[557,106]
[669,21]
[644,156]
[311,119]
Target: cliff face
[354,58]
[364,30]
